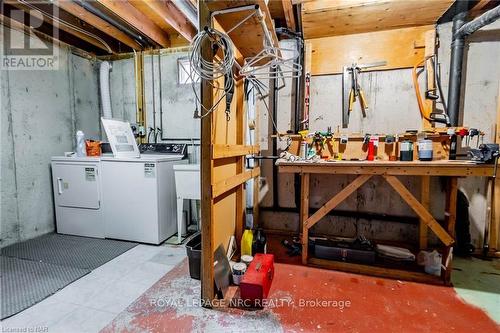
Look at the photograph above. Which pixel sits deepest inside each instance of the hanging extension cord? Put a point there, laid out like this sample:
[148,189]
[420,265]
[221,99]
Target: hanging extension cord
[211,70]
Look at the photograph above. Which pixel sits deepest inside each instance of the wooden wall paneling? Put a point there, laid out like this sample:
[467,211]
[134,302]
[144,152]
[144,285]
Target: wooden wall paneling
[401,48]
[225,151]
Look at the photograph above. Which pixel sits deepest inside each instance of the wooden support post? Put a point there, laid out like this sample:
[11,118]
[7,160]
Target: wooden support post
[304,214]
[206,170]
[430,49]
[494,241]
[450,220]
[139,92]
[240,164]
[451,205]
[289,17]
[425,199]
[417,207]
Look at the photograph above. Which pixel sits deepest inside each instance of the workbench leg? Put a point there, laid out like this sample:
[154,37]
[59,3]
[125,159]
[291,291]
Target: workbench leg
[494,221]
[304,214]
[451,205]
[425,200]
[450,219]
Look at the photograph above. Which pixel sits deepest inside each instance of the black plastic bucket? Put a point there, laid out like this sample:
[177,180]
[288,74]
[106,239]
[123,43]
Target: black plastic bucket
[193,249]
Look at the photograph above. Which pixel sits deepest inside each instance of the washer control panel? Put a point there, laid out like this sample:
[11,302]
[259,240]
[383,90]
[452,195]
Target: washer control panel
[163,148]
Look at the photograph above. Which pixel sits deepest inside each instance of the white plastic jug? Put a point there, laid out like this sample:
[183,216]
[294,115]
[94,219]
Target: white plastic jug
[80,144]
[433,262]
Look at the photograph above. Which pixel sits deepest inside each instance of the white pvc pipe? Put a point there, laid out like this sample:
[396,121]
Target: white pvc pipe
[104,87]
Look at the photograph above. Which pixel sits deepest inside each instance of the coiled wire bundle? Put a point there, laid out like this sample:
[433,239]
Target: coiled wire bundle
[212,70]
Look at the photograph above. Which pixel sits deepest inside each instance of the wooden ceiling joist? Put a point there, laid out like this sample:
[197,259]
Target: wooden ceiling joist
[288,12]
[45,33]
[167,16]
[99,23]
[137,19]
[68,23]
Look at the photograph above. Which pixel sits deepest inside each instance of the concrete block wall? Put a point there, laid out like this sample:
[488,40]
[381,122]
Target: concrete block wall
[392,109]
[41,111]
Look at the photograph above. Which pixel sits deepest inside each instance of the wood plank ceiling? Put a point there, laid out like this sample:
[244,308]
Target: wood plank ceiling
[323,18]
[104,27]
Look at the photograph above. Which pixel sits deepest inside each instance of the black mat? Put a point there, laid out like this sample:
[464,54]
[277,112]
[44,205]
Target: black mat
[65,250]
[35,269]
[24,282]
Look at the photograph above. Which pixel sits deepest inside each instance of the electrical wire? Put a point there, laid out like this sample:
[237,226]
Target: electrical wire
[211,70]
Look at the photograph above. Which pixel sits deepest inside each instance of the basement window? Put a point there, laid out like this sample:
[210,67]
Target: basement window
[184,71]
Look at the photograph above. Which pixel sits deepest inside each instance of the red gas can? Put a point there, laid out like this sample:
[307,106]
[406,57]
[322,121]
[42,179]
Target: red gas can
[255,284]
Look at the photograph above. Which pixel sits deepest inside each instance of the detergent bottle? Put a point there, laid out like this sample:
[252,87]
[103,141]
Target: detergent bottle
[80,144]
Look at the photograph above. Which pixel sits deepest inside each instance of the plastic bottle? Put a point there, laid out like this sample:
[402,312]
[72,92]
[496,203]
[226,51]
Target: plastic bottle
[259,242]
[433,262]
[406,151]
[246,242]
[425,150]
[80,144]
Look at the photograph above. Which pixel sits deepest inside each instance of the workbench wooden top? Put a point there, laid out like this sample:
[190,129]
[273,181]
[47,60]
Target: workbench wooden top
[412,168]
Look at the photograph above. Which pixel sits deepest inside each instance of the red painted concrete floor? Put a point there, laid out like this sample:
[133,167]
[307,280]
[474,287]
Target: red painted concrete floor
[354,303]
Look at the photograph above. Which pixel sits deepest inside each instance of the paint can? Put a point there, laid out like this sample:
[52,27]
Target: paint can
[425,150]
[246,259]
[239,270]
[406,151]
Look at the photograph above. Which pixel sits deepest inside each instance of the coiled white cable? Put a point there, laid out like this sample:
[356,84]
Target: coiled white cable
[211,70]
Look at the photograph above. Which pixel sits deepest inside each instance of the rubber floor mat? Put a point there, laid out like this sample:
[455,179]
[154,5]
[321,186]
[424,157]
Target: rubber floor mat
[24,283]
[65,250]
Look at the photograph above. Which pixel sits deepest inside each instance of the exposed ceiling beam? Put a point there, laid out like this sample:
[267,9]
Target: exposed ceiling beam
[138,20]
[45,32]
[479,7]
[67,23]
[289,17]
[99,23]
[166,15]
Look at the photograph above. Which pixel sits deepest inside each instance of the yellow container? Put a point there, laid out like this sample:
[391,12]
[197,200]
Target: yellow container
[246,242]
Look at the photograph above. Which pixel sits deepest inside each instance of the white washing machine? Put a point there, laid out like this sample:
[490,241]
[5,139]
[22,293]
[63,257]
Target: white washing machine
[77,196]
[121,198]
[139,201]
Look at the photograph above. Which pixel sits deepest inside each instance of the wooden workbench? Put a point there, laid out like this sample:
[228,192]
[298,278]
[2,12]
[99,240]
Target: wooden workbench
[389,171]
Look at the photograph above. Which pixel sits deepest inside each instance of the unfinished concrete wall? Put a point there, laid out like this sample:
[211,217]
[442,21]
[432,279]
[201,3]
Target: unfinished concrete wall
[392,109]
[175,109]
[41,110]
